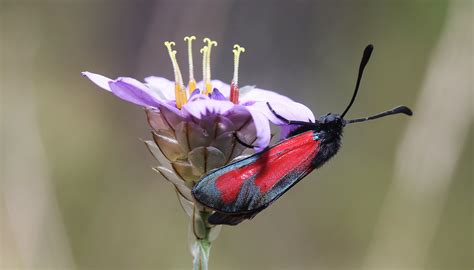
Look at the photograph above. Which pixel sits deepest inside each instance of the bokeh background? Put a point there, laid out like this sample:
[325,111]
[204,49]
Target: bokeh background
[77,190]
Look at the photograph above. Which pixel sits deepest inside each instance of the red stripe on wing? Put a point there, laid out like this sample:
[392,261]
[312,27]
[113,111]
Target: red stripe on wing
[270,167]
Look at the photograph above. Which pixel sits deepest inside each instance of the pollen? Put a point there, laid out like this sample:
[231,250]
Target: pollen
[180,90]
[234,85]
[192,81]
[206,65]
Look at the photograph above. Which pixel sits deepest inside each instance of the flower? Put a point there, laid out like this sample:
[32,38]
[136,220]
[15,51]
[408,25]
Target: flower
[159,92]
[194,127]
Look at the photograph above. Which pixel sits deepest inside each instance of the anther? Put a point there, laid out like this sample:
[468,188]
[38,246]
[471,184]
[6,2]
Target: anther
[234,85]
[192,81]
[179,86]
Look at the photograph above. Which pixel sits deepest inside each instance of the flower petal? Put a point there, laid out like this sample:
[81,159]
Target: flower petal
[195,92]
[260,122]
[134,91]
[248,93]
[286,130]
[289,110]
[99,80]
[217,95]
[163,86]
[222,86]
[196,95]
[203,107]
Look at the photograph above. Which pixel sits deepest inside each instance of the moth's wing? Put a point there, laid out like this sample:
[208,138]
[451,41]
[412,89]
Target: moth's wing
[243,188]
[278,190]
[221,218]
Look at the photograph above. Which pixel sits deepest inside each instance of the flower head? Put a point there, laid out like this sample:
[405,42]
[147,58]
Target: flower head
[201,100]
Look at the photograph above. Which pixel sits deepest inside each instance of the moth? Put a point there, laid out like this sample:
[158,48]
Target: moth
[242,189]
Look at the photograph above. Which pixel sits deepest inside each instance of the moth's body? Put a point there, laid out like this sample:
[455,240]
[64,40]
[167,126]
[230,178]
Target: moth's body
[242,189]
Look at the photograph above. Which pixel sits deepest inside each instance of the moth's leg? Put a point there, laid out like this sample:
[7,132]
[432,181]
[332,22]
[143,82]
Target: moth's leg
[242,142]
[289,122]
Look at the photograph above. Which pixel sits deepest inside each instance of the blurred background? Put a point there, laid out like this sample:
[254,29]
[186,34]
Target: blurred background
[76,186]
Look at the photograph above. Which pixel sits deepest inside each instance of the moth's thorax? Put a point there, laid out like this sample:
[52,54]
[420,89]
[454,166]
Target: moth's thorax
[331,122]
[330,135]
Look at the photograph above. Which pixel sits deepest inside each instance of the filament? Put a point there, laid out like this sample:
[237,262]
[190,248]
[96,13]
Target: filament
[192,81]
[204,50]
[179,86]
[234,85]
[207,78]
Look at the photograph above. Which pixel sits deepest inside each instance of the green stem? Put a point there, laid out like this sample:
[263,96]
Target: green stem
[202,244]
[201,254]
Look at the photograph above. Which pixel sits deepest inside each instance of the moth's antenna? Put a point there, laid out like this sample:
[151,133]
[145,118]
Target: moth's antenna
[365,59]
[397,110]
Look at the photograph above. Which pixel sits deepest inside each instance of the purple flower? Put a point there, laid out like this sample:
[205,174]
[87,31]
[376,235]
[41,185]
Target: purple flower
[158,93]
[194,127]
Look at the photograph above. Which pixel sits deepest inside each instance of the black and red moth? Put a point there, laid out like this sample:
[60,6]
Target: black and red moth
[242,189]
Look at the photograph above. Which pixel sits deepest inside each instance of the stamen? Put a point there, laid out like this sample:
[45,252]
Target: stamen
[192,81]
[234,85]
[180,92]
[204,50]
[207,80]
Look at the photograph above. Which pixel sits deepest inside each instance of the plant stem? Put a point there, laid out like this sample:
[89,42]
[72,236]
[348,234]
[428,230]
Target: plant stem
[202,244]
[201,254]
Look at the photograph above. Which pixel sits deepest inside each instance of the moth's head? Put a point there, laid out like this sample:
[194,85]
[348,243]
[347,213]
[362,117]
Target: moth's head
[331,121]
